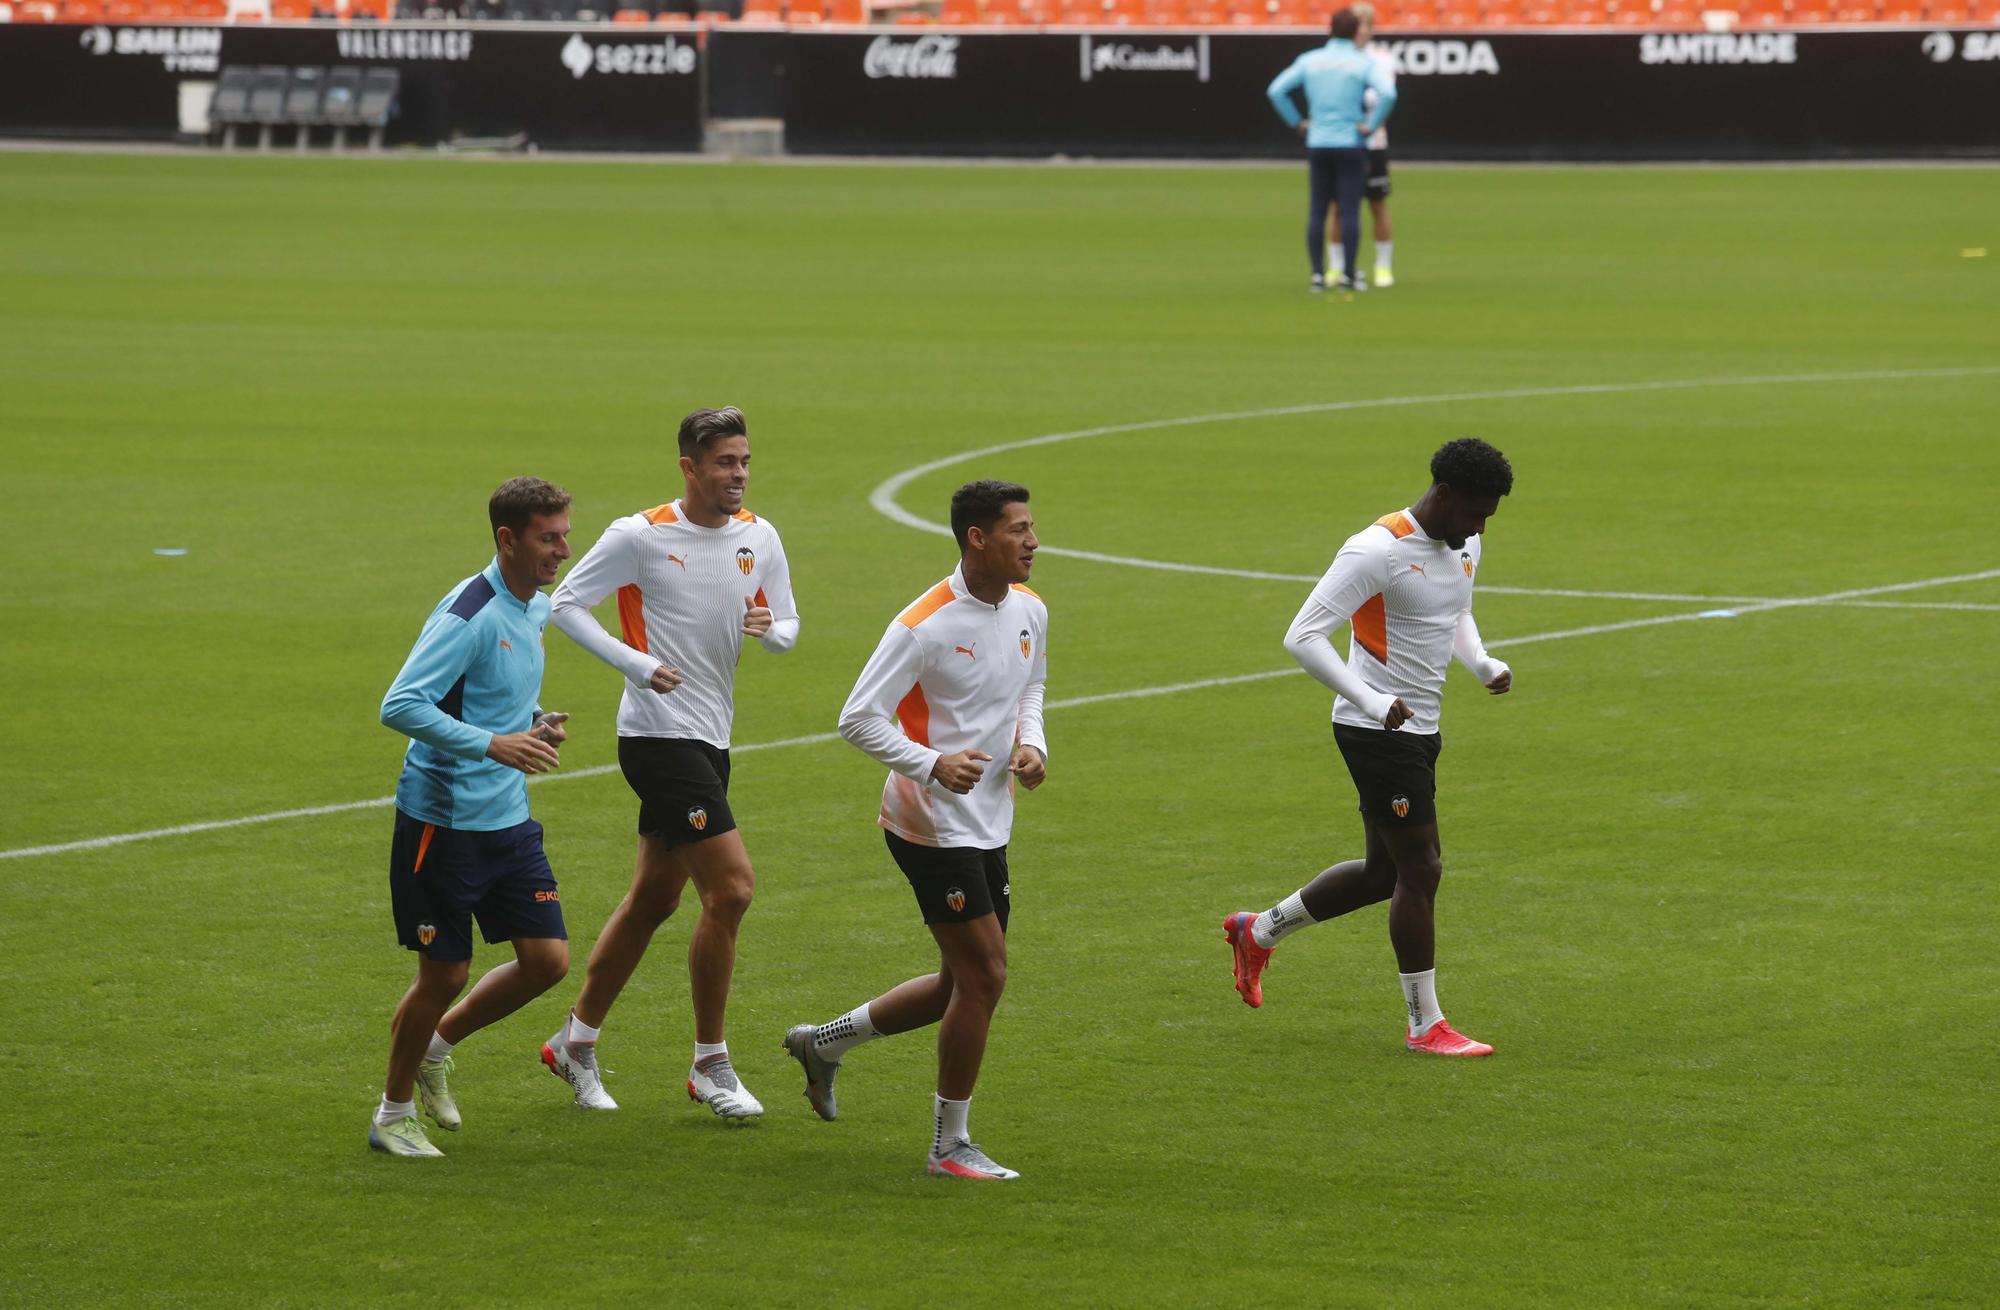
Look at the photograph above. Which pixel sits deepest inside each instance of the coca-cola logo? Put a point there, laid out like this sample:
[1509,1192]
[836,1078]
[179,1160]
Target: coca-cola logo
[927,56]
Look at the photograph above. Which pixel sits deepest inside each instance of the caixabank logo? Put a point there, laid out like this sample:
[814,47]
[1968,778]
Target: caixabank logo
[1098,58]
[668,58]
[181,49]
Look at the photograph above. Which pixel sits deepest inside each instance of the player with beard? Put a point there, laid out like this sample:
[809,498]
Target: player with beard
[955,685]
[1405,585]
[694,578]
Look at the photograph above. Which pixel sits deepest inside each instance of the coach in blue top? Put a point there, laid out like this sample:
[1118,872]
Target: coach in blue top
[464,844]
[1336,132]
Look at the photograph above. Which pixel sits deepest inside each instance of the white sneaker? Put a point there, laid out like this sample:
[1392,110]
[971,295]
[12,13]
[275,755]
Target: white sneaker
[961,1159]
[712,1081]
[1383,277]
[434,1093]
[577,1066]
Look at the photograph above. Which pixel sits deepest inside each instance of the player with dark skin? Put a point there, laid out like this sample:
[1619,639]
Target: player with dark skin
[1403,866]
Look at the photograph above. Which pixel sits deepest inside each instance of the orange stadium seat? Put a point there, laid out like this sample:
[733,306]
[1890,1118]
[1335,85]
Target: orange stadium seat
[80,11]
[960,11]
[1082,11]
[673,16]
[1807,12]
[1208,13]
[1126,13]
[631,16]
[1677,13]
[806,11]
[1894,11]
[1287,13]
[1040,12]
[714,16]
[1762,13]
[35,11]
[1541,13]
[1631,13]
[847,11]
[1459,13]
[291,11]
[913,18]
[762,11]
[1167,13]
[1852,11]
[1585,13]
[1246,13]
[1501,13]
[1949,13]
[1410,17]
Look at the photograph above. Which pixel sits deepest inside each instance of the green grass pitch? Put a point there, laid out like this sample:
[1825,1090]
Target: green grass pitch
[1719,889]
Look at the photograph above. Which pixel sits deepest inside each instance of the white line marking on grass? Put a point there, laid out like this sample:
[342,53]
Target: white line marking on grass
[883,498]
[1073,702]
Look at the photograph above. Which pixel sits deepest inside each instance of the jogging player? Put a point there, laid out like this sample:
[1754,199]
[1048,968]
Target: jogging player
[694,578]
[1336,129]
[1405,586]
[464,845]
[954,686]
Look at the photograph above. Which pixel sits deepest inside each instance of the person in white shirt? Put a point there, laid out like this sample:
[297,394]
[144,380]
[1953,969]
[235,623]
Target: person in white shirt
[694,578]
[1404,584]
[1377,191]
[954,686]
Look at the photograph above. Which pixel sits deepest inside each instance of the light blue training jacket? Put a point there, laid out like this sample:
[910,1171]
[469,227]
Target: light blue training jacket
[1334,77]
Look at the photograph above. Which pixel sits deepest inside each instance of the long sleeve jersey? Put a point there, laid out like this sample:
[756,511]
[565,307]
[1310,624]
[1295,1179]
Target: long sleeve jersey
[476,671]
[1334,78]
[952,673]
[1408,597]
[681,590]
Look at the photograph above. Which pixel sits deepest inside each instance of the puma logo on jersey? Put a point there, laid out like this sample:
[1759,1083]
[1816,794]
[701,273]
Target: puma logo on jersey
[965,651]
[1419,568]
[675,559]
[506,644]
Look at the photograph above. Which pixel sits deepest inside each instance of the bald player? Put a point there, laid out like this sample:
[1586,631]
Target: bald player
[1404,584]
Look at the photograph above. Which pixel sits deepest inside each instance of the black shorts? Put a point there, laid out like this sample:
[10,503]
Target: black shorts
[954,884]
[440,878]
[1378,174]
[682,785]
[1394,772]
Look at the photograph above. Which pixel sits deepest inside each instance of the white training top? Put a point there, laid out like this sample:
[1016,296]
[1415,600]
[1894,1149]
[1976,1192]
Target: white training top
[1387,62]
[957,674]
[1409,599]
[681,590]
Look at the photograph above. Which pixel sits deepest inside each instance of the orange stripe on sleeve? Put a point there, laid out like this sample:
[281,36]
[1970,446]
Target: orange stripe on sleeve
[927,604]
[1371,628]
[762,601]
[662,514]
[424,847]
[1030,590]
[632,616]
[744,516]
[914,713]
[1397,523]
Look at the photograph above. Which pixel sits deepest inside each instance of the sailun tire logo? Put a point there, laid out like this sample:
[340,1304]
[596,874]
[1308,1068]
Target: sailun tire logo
[927,56]
[668,58]
[1441,58]
[181,49]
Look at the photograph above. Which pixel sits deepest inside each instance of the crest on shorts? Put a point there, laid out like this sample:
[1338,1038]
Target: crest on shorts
[746,559]
[1400,805]
[1027,643]
[955,900]
[427,933]
[698,818]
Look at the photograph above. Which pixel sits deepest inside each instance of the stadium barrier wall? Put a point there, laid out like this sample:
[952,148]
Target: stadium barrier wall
[1600,95]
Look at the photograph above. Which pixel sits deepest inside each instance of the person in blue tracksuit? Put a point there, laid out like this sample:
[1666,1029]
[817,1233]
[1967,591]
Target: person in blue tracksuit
[1336,129]
[468,698]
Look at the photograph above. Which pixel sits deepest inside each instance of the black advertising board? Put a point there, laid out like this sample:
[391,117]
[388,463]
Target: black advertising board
[1568,96]
[580,88]
[1612,95]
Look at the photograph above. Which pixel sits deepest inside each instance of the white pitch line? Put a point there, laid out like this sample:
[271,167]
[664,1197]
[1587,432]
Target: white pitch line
[883,498]
[1135,693]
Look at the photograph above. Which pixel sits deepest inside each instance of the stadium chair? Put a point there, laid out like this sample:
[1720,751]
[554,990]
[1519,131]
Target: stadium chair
[1853,12]
[376,105]
[229,108]
[1894,11]
[1458,13]
[304,97]
[1631,13]
[340,102]
[1208,13]
[1287,13]
[714,16]
[1411,18]
[80,11]
[1808,12]
[1501,13]
[1676,13]
[267,101]
[673,16]
[291,11]
[1167,13]
[1762,13]
[1080,12]
[1125,13]
[631,16]
[847,11]
[1949,14]
[806,11]
[959,11]
[913,18]
[1541,13]
[1584,13]
[761,11]
[35,11]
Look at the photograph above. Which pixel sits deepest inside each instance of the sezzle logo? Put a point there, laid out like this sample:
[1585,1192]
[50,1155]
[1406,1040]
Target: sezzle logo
[1440,58]
[698,818]
[669,58]
[1719,48]
[395,43]
[181,49]
[927,56]
[746,559]
[1124,57]
[955,900]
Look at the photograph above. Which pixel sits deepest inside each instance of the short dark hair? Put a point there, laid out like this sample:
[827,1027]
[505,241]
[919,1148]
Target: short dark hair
[1471,466]
[517,501]
[1345,24]
[705,425]
[980,505]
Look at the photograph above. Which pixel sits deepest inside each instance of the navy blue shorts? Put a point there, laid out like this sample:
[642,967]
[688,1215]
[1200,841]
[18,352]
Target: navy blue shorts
[441,878]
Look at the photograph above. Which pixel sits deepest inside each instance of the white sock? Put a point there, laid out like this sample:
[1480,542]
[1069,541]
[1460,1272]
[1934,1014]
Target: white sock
[842,1035]
[702,1050]
[579,1031]
[1334,265]
[391,1111]
[1281,920]
[1420,996]
[1383,251]
[439,1049]
[951,1117]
